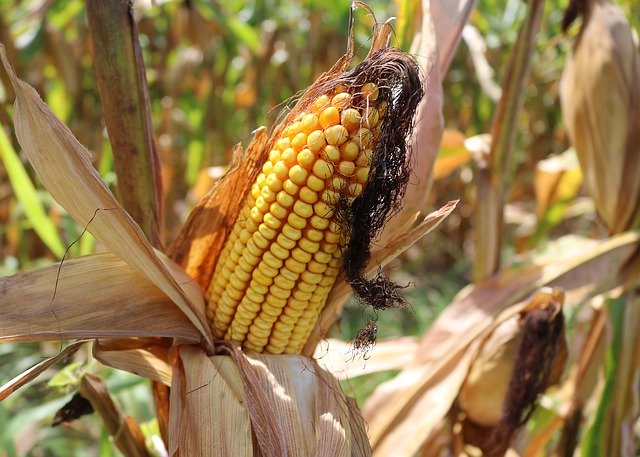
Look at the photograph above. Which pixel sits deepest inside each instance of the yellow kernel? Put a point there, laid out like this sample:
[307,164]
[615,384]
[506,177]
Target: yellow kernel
[271,261]
[316,267]
[355,189]
[316,140]
[272,221]
[244,237]
[306,158]
[274,155]
[300,255]
[341,100]
[351,119]
[346,168]
[279,251]
[261,180]
[291,233]
[295,306]
[255,191]
[320,103]
[314,235]
[286,242]
[364,138]
[284,318]
[266,270]
[323,210]
[271,349]
[282,327]
[293,276]
[262,204]
[279,292]
[295,265]
[253,295]
[270,314]
[308,196]
[298,174]
[362,174]
[299,141]
[268,194]
[331,237]
[275,302]
[283,143]
[370,91]
[331,197]
[267,168]
[311,278]
[290,188]
[331,153]
[288,156]
[338,183]
[261,278]
[303,209]
[309,246]
[284,283]
[309,123]
[323,169]
[266,231]
[319,222]
[307,288]
[316,184]
[329,116]
[350,150]
[257,244]
[336,135]
[284,199]
[302,296]
[291,130]
[274,183]
[281,170]
[296,221]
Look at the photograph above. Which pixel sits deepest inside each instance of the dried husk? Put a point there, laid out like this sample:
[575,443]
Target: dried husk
[600,95]
[260,405]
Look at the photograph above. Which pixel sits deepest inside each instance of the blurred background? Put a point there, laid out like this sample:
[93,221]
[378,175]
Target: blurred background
[218,70]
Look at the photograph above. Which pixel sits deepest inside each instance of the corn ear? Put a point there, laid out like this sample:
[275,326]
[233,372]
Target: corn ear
[294,231]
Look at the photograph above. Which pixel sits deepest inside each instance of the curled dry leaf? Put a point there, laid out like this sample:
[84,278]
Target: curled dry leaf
[600,95]
[396,410]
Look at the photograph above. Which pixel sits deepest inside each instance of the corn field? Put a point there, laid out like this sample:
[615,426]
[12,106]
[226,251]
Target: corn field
[336,228]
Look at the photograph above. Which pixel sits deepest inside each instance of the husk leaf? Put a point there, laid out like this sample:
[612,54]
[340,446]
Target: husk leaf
[89,297]
[64,166]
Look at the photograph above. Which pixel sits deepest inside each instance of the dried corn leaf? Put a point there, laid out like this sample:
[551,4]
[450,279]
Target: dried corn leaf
[124,430]
[405,411]
[338,357]
[381,257]
[600,95]
[259,405]
[35,371]
[142,356]
[64,166]
[89,297]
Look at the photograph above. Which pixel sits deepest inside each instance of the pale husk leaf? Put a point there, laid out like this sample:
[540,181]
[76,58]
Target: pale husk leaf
[142,356]
[341,290]
[32,373]
[406,406]
[600,95]
[89,297]
[259,405]
[64,166]
[339,358]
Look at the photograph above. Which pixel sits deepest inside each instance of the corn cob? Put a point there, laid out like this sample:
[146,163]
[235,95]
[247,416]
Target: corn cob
[338,164]
[283,254]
